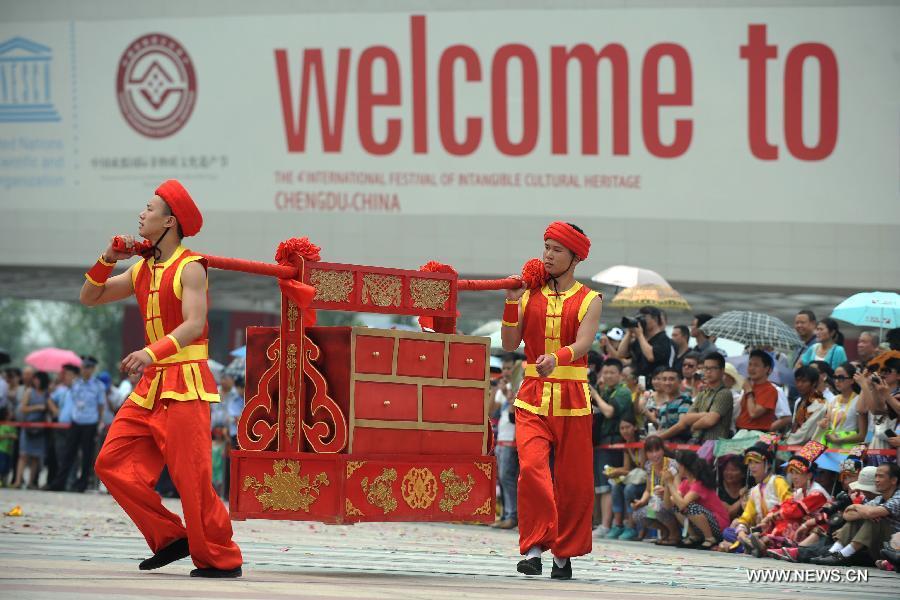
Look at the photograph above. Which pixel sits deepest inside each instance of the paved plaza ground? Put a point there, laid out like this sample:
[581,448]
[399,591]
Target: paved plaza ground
[76,546]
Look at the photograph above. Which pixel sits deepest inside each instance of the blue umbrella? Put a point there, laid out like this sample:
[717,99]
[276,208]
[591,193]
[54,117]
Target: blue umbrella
[872,309]
[239,352]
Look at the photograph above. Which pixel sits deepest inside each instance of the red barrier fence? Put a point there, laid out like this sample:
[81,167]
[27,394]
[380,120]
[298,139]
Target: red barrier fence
[695,448]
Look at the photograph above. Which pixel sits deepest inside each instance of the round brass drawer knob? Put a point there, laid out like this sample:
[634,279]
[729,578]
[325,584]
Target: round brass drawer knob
[376,354]
[469,361]
[422,357]
[454,405]
[387,402]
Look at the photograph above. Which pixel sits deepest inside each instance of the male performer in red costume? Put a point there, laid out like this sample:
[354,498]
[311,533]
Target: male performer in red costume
[558,323]
[165,420]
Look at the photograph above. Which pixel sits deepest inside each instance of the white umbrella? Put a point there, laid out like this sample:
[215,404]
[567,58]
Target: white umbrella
[624,276]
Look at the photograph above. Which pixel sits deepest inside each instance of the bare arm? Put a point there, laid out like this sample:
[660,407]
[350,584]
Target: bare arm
[511,337]
[605,408]
[623,350]
[115,288]
[706,420]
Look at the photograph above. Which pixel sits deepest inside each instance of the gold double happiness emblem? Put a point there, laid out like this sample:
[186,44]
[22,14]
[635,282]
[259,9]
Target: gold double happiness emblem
[419,488]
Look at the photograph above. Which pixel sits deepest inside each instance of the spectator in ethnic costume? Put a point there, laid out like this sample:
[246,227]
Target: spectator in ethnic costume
[779,528]
[768,493]
[558,322]
[166,419]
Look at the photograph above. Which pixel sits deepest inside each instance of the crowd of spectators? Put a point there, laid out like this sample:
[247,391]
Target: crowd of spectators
[790,457]
[63,419]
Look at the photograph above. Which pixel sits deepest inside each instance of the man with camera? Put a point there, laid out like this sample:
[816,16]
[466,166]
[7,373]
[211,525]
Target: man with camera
[646,342]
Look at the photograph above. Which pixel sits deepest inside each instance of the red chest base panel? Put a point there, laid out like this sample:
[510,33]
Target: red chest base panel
[347,488]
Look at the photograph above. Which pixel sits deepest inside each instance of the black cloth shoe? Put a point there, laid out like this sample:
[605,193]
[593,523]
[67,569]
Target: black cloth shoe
[562,572]
[836,559]
[174,551]
[217,573]
[530,566]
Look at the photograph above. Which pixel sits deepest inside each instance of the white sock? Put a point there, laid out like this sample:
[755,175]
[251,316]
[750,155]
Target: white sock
[560,562]
[848,551]
[534,551]
[836,547]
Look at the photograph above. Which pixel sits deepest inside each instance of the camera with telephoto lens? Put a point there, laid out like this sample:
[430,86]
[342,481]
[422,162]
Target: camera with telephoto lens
[840,502]
[631,323]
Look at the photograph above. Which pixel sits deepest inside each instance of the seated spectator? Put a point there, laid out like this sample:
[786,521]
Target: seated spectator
[650,510]
[843,425]
[829,346]
[869,525]
[671,403]
[809,407]
[709,417]
[734,381]
[760,396]
[805,326]
[613,403]
[867,346]
[732,488]
[690,364]
[628,483]
[695,499]
[826,379]
[779,528]
[768,493]
[647,408]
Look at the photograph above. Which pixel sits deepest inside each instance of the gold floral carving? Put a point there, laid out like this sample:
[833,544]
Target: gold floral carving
[381,290]
[419,488]
[429,293]
[484,468]
[456,490]
[350,510]
[292,314]
[353,465]
[484,509]
[285,488]
[379,493]
[290,405]
[332,286]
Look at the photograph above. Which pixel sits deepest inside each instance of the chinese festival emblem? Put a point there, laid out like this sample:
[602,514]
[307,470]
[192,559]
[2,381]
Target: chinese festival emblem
[156,85]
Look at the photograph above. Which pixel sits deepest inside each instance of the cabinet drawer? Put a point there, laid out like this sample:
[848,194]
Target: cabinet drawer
[450,442]
[420,358]
[452,405]
[369,440]
[374,354]
[386,401]
[467,361]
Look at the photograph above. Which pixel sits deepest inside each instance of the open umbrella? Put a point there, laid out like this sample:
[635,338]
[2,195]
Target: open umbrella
[239,352]
[753,329]
[661,296]
[870,309]
[624,276]
[52,359]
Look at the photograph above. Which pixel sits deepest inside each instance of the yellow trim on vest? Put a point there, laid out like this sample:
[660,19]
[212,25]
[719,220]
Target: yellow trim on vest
[135,270]
[176,283]
[564,373]
[194,352]
[525,298]
[582,310]
[573,412]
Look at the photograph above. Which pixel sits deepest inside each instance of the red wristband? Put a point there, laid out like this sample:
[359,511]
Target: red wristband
[163,348]
[100,272]
[511,314]
[564,356]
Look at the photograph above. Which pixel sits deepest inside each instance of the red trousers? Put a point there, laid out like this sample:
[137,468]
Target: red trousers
[555,512]
[175,434]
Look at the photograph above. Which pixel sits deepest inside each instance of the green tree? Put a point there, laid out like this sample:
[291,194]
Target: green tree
[84,330]
[13,325]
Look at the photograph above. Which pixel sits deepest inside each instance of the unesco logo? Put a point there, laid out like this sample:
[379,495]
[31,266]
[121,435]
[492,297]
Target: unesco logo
[156,85]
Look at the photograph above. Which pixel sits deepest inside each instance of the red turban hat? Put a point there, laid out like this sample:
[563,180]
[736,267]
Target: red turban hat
[569,237]
[182,206]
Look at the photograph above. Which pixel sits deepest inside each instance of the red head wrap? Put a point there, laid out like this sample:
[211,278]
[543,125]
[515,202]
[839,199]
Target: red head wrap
[182,206]
[569,237]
